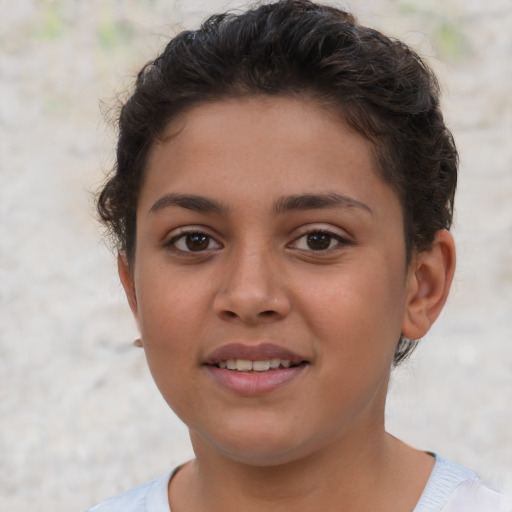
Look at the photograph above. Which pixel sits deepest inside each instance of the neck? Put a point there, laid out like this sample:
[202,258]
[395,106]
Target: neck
[358,475]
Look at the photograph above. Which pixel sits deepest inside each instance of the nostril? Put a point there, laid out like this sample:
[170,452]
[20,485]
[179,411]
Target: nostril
[269,312]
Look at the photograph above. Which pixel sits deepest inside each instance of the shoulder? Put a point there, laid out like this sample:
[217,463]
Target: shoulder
[454,488]
[475,496]
[148,497]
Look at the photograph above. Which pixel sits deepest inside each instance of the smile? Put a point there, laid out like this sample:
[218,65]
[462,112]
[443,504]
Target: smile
[245,365]
[258,357]
[252,370]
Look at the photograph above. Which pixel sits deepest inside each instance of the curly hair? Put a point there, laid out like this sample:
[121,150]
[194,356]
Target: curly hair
[379,85]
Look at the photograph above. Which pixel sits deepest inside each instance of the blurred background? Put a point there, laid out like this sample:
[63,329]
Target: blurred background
[80,418]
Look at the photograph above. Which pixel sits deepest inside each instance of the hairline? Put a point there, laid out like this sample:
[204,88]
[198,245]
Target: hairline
[308,94]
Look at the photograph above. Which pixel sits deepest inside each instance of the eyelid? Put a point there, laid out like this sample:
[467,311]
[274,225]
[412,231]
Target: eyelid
[178,233]
[322,228]
[343,238]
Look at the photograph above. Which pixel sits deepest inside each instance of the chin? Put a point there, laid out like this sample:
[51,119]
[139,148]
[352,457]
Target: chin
[263,458]
[258,447]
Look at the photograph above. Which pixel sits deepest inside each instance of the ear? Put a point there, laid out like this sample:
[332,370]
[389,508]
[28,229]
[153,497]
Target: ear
[125,274]
[429,279]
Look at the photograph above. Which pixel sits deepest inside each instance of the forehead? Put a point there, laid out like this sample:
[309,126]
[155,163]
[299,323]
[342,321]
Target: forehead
[262,146]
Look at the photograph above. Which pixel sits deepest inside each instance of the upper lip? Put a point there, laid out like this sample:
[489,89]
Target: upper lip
[258,352]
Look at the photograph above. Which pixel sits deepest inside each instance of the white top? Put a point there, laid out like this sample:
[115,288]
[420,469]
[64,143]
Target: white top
[450,488]
[454,488]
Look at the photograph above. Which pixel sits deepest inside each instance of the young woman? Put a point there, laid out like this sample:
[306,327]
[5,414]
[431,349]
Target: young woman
[282,197]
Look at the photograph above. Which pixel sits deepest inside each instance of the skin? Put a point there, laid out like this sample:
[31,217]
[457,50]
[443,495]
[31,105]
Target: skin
[318,441]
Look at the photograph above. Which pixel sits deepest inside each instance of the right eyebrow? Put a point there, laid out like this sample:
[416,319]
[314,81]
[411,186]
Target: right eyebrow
[317,201]
[192,202]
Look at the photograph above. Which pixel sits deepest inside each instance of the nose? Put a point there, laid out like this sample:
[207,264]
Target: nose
[251,290]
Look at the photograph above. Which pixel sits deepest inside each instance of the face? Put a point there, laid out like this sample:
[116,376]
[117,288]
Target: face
[270,281]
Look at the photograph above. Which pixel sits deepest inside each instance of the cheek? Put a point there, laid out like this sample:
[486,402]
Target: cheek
[166,299]
[358,314]
[169,319]
[170,330]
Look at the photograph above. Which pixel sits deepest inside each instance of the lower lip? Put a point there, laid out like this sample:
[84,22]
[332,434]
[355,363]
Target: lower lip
[255,383]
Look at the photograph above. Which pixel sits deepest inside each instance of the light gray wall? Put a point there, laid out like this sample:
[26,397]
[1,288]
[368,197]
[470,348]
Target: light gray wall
[80,418]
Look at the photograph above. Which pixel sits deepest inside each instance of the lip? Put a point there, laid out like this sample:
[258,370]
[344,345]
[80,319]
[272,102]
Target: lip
[259,352]
[254,383]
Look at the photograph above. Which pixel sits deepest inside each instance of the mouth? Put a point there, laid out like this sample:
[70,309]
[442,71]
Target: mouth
[254,369]
[263,357]
[263,365]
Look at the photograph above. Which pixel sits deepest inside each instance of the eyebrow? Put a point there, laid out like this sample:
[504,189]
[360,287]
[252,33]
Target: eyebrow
[298,202]
[192,202]
[317,201]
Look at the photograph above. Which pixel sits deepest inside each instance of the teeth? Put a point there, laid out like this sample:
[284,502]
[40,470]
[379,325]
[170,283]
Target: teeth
[244,365]
[260,366]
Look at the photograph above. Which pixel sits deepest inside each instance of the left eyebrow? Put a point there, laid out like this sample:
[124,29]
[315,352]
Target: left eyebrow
[192,202]
[316,201]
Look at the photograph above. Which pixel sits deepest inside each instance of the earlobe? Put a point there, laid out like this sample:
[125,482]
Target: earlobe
[428,283]
[126,277]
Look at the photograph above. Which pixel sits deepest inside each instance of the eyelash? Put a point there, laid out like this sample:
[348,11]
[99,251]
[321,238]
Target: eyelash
[187,235]
[340,241]
[326,236]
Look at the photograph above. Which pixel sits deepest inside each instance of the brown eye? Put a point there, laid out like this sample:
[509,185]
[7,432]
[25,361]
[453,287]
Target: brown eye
[197,241]
[193,242]
[318,241]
